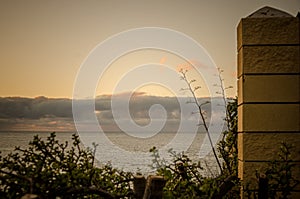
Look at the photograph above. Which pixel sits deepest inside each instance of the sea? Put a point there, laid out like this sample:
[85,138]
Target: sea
[123,151]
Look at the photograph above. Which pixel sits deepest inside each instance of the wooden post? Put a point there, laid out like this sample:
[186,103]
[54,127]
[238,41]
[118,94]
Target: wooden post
[139,185]
[154,187]
[263,187]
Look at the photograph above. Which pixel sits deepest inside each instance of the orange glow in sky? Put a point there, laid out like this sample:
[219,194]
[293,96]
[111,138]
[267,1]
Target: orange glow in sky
[44,43]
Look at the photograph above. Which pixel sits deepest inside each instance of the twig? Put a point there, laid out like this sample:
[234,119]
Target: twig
[199,106]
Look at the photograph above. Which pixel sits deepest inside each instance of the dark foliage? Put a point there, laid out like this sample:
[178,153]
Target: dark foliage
[50,169]
[185,179]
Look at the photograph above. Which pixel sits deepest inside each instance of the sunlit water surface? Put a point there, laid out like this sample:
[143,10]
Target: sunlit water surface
[9,140]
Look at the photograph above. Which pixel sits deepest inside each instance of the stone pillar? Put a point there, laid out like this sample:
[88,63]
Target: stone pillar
[268,89]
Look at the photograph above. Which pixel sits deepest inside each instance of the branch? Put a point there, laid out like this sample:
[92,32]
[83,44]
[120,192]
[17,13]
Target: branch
[201,113]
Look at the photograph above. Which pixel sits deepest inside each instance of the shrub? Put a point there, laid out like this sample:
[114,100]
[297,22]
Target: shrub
[51,169]
[184,177]
[278,180]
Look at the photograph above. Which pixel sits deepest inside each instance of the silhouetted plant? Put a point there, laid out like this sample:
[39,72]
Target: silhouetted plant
[280,173]
[228,152]
[201,112]
[50,169]
[279,178]
[184,177]
[227,146]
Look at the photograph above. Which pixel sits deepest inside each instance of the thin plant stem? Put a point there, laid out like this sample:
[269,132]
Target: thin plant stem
[189,84]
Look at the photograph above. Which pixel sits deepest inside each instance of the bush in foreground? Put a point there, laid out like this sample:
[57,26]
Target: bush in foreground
[50,169]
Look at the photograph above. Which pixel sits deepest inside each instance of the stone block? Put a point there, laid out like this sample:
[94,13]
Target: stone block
[266,146]
[268,59]
[268,88]
[268,117]
[266,31]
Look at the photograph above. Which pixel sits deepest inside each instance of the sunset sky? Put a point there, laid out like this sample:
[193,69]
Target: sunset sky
[43,43]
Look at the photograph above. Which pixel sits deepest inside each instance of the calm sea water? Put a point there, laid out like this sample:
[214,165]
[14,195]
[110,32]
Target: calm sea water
[121,150]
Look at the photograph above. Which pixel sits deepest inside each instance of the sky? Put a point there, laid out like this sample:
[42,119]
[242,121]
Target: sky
[44,43]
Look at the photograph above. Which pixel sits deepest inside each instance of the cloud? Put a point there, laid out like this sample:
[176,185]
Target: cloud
[34,108]
[163,60]
[41,113]
[55,114]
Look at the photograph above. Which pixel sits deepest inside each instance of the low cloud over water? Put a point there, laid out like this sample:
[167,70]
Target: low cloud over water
[55,114]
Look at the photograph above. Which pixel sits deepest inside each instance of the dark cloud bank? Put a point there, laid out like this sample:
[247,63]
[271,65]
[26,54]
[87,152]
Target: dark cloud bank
[55,114]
